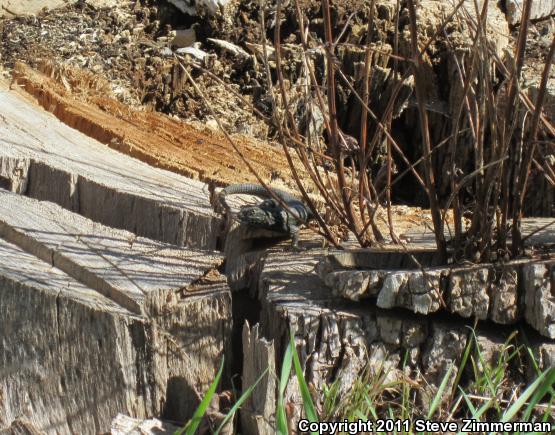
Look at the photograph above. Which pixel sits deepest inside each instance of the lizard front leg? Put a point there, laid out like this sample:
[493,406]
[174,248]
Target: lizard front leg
[294,231]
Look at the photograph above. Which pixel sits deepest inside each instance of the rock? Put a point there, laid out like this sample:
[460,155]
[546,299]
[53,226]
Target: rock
[540,9]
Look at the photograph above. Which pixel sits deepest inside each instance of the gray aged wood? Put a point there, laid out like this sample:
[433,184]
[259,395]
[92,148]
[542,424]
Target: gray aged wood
[540,9]
[21,426]
[70,356]
[501,293]
[45,159]
[134,326]
[538,282]
[258,412]
[137,273]
[125,425]
[337,339]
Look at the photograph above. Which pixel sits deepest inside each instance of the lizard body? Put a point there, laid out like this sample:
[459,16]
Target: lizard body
[270,214]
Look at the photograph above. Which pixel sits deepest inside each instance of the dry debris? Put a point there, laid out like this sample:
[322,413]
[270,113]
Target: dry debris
[142,47]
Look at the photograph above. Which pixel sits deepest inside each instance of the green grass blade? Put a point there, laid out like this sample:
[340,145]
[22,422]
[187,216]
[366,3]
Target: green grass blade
[519,403]
[541,391]
[476,414]
[469,404]
[309,408]
[464,360]
[281,415]
[371,407]
[239,402]
[285,370]
[193,424]
[439,394]
[359,414]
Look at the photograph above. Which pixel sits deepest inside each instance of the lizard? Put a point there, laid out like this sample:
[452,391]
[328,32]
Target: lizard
[270,214]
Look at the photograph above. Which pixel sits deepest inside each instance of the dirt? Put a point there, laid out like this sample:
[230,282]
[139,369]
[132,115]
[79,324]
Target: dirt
[539,41]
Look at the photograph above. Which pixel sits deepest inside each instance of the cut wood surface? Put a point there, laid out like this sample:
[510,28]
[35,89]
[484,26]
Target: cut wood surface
[45,159]
[97,320]
[68,353]
[125,425]
[11,8]
[113,311]
[72,357]
[156,138]
[135,272]
[337,339]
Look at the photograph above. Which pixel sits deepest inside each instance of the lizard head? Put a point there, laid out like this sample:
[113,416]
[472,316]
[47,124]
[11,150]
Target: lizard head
[266,215]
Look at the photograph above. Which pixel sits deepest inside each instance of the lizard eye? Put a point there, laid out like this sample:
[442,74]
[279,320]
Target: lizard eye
[269,203]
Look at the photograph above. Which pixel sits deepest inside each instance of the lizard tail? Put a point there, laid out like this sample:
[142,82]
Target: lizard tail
[256,190]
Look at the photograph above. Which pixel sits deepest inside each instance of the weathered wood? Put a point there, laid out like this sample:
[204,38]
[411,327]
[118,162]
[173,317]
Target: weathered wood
[20,426]
[125,425]
[243,249]
[498,292]
[137,273]
[45,159]
[540,9]
[337,339]
[538,282]
[258,412]
[124,324]
[56,334]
